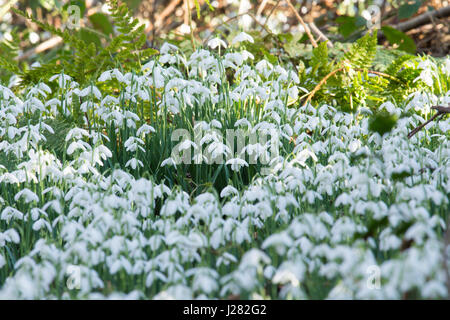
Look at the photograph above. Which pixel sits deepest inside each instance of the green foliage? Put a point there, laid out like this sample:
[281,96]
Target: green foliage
[362,53]
[87,57]
[365,75]
[409,8]
[101,22]
[349,25]
[320,60]
[398,90]
[79,3]
[399,38]
[347,78]
[8,53]
[382,123]
[197,7]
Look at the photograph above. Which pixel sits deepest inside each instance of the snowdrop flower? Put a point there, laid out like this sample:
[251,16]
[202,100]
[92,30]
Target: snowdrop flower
[446,67]
[242,37]
[237,163]
[289,272]
[76,133]
[247,55]
[91,90]
[11,213]
[40,224]
[264,67]
[9,235]
[105,76]
[167,48]
[132,144]
[63,79]
[27,195]
[254,257]
[168,162]
[145,129]
[427,73]
[216,42]
[75,146]
[354,145]
[134,163]
[280,241]
[228,191]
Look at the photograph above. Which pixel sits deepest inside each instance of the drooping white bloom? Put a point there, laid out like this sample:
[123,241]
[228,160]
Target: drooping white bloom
[242,37]
[216,42]
[168,162]
[134,163]
[227,191]
[27,195]
[237,163]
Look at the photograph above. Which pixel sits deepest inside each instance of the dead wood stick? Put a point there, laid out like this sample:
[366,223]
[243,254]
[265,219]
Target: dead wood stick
[420,20]
[320,34]
[165,13]
[441,110]
[308,32]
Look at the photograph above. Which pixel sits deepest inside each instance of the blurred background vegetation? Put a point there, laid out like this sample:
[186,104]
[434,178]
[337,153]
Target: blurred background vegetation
[413,26]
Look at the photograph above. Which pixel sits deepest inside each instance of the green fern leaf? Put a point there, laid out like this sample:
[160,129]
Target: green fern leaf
[362,53]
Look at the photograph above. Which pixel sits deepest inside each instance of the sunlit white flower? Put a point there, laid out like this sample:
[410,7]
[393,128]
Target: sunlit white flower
[242,37]
[216,42]
[27,195]
[168,162]
[237,163]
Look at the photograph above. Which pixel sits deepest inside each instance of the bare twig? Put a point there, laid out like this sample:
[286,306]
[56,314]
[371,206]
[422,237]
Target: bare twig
[188,10]
[381,74]
[261,8]
[440,112]
[321,83]
[6,6]
[169,9]
[44,46]
[271,11]
[320,34]
[308,32]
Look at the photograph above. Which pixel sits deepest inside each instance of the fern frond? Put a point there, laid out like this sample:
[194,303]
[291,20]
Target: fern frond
[37,74]
[126,49]
[398,63]
[8,53]
[320,60]
[362,53]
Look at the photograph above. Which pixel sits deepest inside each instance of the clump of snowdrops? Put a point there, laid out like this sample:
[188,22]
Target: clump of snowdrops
[343,212]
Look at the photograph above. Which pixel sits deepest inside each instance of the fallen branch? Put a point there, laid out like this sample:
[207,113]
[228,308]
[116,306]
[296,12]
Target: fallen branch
[440,112]
[420,20]
[308,32]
